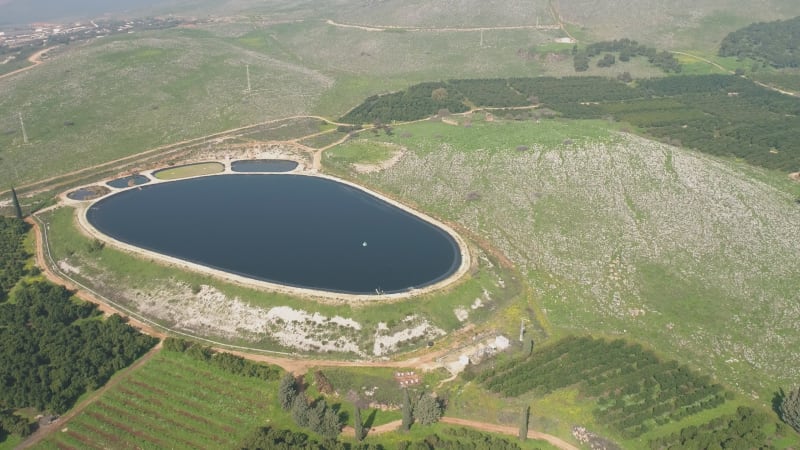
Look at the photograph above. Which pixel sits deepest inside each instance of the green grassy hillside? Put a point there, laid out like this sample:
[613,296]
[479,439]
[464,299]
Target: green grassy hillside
[622,236]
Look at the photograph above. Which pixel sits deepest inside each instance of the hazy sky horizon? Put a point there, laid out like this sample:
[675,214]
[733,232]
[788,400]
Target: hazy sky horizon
[18,12]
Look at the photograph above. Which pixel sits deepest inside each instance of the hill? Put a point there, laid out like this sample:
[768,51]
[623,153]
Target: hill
[774,43]
[620,235]
[680,24]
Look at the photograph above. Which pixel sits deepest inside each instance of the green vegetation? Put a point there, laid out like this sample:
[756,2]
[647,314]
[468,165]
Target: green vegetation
[175,400]
[635,394]
[316,415]
[52,352]
[611,233]
[15,201]
[53,349]
[427,409]
[447,439]
[14,426]
[413,103]
[635,390]
[790,408]
[268,438]
[322,140]
[744,429]
[16,58]
[626,49]
[221,360]
[774,43]
[716,114]
[190,170]
[581,208]
[13,254]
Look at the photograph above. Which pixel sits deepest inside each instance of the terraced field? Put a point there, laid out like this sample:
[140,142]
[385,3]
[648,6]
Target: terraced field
[176,402]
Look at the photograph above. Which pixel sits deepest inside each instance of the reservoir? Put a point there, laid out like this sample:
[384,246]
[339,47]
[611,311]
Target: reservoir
[294,230]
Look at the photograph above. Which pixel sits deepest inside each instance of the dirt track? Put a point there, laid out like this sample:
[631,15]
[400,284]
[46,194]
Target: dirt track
[511,431]
[103,306]
[34,59]
[482,426]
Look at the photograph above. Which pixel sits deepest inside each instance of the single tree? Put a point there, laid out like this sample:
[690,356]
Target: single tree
[528,347]
[428,410]
[301,412]
[790,408]
[14,199]
[357,424]
[523,422]
[439,94]
[287,391]
[330,424]
[407,418]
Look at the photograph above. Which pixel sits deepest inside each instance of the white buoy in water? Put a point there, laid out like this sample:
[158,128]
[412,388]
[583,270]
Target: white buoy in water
[364,244]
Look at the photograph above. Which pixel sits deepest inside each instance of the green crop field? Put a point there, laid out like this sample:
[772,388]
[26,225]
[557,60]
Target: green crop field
[174,401]
[190,170]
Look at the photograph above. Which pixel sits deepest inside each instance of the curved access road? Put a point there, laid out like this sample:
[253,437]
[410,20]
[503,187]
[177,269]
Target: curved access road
[35,59]
[718,66]
[511,431]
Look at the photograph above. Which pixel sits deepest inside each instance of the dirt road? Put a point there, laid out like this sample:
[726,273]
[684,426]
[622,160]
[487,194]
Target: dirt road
[511,431]
[124,374]
[102,305]
[441,29]
[301,366]
[481,426]
[764,85]
[35,59]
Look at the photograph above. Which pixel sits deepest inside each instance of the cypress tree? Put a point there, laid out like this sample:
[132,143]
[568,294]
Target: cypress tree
[523,423]
[359,427]
[406,411]
[790,409]
[17,208]
[287,391]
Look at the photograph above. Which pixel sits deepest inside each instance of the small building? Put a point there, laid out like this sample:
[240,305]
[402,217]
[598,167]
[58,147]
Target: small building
[463,360]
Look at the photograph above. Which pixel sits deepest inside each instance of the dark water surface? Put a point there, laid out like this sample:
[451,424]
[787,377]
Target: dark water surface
[263,165]
[135,180]
[289,229]
[88,193]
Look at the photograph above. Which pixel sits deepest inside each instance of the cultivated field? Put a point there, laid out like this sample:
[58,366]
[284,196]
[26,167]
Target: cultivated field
[174,401]
[190,170]
[621,235]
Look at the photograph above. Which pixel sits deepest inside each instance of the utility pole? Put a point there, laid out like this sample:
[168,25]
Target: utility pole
[22,125]
[521,328]
[248,77]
